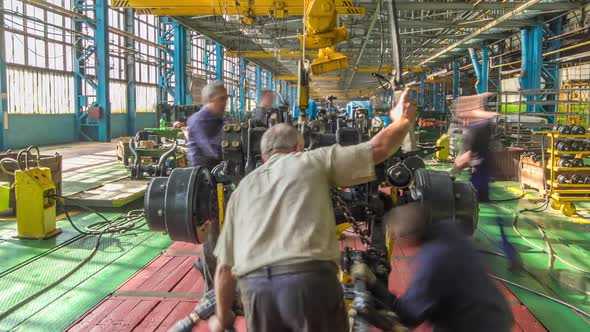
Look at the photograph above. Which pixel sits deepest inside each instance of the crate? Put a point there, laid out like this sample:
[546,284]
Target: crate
[532,174]
[124,155]
[505,162]
[53,162]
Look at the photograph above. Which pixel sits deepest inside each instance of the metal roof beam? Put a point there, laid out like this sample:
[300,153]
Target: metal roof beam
[447,24]
[411,5]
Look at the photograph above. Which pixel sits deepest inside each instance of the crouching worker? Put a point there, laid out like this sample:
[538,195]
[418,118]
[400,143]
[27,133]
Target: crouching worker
[450,288]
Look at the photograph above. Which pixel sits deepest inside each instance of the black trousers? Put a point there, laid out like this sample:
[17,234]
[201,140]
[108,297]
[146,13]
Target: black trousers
[306,301]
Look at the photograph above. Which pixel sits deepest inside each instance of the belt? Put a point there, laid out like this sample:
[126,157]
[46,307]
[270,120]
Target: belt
[310,266]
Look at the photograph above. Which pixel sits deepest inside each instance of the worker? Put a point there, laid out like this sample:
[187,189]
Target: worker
[477,132]
[278,240]
[266,114]
[204,149]
[450,287]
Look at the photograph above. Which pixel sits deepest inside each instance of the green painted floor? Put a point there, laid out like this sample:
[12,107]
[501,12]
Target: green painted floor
[569,238]
[26,266]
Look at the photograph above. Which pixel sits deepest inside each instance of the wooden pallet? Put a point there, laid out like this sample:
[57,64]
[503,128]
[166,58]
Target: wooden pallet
[113,194]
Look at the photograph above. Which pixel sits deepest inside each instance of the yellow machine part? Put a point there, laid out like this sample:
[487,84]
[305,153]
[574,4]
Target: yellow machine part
[35,210]
[221,204]
[324,39]
[328,60]
[445,142]
[4,195]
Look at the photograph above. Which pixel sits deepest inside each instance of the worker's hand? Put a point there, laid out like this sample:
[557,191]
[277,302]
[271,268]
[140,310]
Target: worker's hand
[405,109]
[219,323]
[362,272]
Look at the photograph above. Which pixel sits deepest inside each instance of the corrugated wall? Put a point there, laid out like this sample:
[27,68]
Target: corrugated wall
[34,91]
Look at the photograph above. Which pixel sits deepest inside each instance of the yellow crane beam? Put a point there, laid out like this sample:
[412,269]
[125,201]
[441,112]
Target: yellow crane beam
[274,8]
[283,53]
[388,69]
[312,78]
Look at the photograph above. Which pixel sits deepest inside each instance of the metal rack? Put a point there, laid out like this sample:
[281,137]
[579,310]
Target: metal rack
[569,105]
[563,195]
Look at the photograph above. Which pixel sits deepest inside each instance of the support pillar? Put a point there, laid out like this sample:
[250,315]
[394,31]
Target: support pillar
[436,97]
[258,80]
[92,93]
[218,61]
[242,86]
[180,61]
[532,63]
[130,72]
[485,70]
[421,96]
[456,79]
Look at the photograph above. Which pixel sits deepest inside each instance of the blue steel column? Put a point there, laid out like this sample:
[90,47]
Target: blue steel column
[242,86]
[97,86]
[532,62]
[485,70]
[436,97]
[218,61]
[476,69]
[180,61]
[550,71]
[456,79]
[166,60]
[258,80]
[3,79]
[421,96]
[130,71]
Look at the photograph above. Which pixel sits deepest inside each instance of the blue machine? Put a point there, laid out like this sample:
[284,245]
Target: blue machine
[362,104]
[312,110]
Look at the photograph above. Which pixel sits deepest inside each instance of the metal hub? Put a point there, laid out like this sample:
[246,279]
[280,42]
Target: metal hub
[181,204]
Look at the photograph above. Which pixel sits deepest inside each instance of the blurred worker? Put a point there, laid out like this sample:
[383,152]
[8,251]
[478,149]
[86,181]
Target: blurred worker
[471,110]
[450,287]
[266,114]
[410,142]
[278,240]
[204,149]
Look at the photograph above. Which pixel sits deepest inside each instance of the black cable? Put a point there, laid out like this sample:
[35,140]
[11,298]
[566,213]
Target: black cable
[529,289]
[576,309]
[119,224]
[508,199]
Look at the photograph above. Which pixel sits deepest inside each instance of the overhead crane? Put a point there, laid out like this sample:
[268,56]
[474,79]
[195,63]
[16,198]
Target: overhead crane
[248,10]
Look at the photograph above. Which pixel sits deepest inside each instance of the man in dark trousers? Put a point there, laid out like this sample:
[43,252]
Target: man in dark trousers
[204,149]
[471,110]
[266,112]
[450,287]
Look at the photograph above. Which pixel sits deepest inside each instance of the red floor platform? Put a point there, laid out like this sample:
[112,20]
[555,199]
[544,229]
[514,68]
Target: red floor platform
[168,288]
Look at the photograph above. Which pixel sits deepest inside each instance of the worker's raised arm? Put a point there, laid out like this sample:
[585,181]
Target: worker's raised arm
[388,140]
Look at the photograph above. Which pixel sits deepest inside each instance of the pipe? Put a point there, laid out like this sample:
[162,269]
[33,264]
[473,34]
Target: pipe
[376,14]
[476,68]
[485,28]
[485,69]
[524,47]
[395,46]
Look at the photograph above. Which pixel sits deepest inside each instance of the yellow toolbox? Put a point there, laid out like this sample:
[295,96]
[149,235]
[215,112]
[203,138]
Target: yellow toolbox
[35,207]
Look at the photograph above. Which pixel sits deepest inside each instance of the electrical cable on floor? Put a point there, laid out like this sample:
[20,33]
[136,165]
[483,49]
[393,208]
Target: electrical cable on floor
[529,289]
[576,309]
[508,199]
[119,224]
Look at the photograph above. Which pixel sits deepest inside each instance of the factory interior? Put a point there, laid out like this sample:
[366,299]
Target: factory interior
[105,214]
